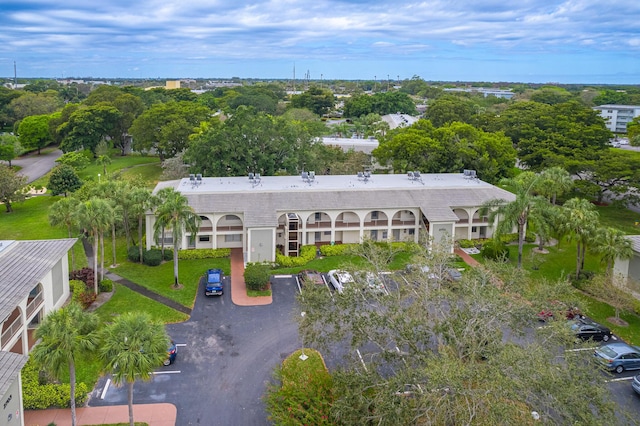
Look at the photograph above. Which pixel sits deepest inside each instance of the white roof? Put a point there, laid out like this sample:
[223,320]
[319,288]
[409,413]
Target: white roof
[347,144]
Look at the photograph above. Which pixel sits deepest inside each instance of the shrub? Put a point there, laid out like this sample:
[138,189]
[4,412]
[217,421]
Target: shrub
[466,243]
[85,275]
[87,297]
[256,276]
[168,254]
[494,250]
[203,253]
[77,287]
[105,286]
[133,254]
[335,250]
[307,254]
[152,257]
[39,396]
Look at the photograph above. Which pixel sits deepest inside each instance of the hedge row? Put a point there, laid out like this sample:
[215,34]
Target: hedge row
[307,254]
[344,249]
[204,253]
[38,396]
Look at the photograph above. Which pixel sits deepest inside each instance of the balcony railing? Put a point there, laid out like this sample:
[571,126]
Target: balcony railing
[377,222]
[34,303]
[316,225]
[342,224]
[222,228]
[403,222]
[475,220]
[11,331]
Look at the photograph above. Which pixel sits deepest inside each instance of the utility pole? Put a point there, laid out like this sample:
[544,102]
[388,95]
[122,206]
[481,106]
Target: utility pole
[15,75]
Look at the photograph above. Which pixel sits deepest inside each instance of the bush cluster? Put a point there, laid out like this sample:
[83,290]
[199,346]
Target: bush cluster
[513,238]
[257,275]
[494,250]
[105,286]
[152,257]
[307,254]
[39,394]
[81,293]
[204,253]
[133,254]
[335,250]
[85,275]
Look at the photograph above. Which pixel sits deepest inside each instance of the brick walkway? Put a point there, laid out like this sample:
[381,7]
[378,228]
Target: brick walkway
[153,414]
[238,287]
[467,259]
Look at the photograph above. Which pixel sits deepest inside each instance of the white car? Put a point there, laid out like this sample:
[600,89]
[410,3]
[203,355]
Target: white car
[339,279]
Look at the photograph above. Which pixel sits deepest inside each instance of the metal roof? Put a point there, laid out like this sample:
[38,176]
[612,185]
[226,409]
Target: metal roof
[23,264]
[10,366]
[262,202]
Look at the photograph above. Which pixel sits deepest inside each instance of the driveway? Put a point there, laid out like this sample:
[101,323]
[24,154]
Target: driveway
[228,357]
[35,166]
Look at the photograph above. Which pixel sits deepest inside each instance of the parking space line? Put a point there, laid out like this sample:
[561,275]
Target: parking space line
[106,387]
[181,344]
[283,276]
[167,372]
[362,360]
[620,379]
[581,349]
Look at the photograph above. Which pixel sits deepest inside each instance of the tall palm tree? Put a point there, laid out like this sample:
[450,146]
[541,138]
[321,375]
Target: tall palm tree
[612,244]
[141,201]
[580,222]
[131,347]
[94,216]
[527,206]
[555,181]
[175,213]
[160,226]
[64,334]
[63,213]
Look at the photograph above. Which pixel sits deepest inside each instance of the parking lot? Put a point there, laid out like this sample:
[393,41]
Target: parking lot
[226,355]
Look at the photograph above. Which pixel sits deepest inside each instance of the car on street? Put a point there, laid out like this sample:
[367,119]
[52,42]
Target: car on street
[589,330]
[340,279]
[172,352]
[214,287]
[619,356]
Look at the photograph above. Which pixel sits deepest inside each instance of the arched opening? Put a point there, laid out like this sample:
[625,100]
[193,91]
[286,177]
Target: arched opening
[229,232]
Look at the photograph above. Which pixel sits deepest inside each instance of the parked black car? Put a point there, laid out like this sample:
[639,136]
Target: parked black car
[590,330]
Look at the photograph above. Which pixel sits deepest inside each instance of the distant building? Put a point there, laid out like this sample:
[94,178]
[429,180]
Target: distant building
[399,120]
[498,93]
[172,84]
[355,144]
[630,268]
[618,116]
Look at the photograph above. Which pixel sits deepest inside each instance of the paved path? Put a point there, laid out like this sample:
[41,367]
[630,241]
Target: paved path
[154,414]
[88,249]
[239,287]
[467,259]
[35,166]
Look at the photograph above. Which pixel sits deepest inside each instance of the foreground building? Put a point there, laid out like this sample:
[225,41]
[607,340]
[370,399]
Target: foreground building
[34,280]
[264,214]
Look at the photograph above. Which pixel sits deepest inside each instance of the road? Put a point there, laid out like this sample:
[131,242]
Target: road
[35,166]
[228,357]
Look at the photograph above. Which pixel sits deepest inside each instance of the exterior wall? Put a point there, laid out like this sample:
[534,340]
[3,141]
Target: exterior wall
[618,116]
[11,403]
[441,232]
[261,244]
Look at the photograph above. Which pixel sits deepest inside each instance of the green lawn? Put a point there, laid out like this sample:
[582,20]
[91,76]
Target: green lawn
[600,311]
[160,278]
[623,219]
[118,163]
[126,300]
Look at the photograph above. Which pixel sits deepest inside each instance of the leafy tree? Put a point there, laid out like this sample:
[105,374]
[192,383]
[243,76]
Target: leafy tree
[517,213]
[63,213]
[414,86]
[555,181]
[63,180]
[87,127]
[319,101]
[103,93]
[34,104]
[6,96]
[167,127]
[76,159]
[94,215]
[449,149]
[41,86]
[34,133]
[57,124]
[614,175]
[448,108]
[104,161]
[633,131]
[608,96]
[174,168]
[379,103]
[64,335]
[10,147]
[439,356]
[310,121]
[580,221]
[131,347]
[175,213]
[130,108]
[551,95]
[12,187]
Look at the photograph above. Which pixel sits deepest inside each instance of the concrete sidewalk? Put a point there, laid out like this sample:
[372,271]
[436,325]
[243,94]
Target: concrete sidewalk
[152,414]
[239,287]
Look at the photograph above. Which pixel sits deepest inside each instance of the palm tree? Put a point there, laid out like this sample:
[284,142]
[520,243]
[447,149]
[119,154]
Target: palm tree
[64,334]
[527,206]
[94,216]
[612,244]
[62,213]
[555,181]
[131,347]
[175,213]
[104,161]
[141,201]
[580,222]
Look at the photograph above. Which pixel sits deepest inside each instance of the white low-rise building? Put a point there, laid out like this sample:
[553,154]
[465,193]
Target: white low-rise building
[262,215]
[618,116]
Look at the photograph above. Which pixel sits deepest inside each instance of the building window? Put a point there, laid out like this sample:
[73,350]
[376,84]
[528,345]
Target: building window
[474,229]
[412,231]
[232,238]
[318,236]
[374,235]
[384,235]
[327,232]
[374,215]
[318,216]
[204,238]
[231,217]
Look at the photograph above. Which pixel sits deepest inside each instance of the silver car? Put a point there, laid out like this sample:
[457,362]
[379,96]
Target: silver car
[619,357]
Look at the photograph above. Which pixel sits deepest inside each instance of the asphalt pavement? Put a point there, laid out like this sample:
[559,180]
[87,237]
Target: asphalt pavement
[226,357]
[35,166]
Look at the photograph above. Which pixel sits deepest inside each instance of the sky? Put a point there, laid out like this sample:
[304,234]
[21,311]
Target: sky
[529,41]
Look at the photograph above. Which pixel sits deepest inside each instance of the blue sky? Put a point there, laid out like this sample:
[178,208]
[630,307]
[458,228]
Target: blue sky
[575,41]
